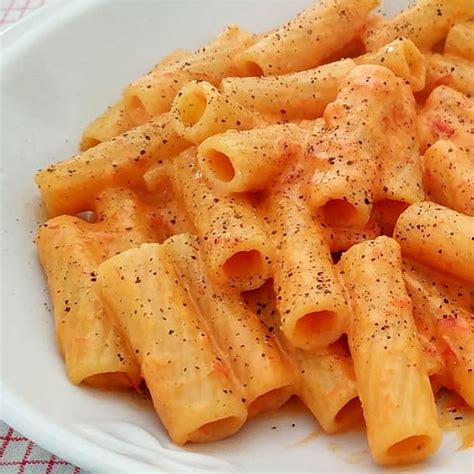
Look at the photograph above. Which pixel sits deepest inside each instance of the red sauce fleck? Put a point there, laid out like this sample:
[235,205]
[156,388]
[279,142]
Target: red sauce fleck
[441,126]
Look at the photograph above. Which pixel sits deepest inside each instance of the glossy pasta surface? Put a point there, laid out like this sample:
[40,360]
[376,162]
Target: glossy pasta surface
[280,214]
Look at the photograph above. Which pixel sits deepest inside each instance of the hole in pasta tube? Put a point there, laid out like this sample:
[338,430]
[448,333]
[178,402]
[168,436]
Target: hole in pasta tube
[386,213]
[349,415]
[191,107]
[89,142]
[136,109]
[409,447]
[112,381]
[243,265]
[219,165]
[272,399]
[216,429]
[251,68]
[416,66]
[316,326]
[339,212]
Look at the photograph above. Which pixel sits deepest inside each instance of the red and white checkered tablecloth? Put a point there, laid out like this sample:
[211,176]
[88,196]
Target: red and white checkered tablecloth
[13,10]
[17,453]
[20,455]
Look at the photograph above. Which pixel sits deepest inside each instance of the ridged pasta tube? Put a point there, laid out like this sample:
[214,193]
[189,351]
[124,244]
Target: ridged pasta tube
[392,380]
[193,390]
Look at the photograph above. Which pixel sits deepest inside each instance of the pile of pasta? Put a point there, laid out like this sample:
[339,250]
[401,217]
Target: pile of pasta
[284,214]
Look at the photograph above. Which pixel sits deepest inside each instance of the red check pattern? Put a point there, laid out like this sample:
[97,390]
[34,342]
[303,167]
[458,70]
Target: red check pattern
[20,455]
[13,10]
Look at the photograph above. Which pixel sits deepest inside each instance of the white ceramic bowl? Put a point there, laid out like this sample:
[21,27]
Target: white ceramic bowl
[61,67]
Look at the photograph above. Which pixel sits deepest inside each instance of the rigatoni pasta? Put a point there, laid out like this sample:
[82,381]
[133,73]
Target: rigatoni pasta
[450,71]
[310,299]
[401,172]
[71,186]
[71,251]
[306,40]
[347,158]
[236,247]
[460,41]
[438,236]
[153,94]
[236,329]
[236,162]
[443,310]
[92,349]
[449,176]
[115,120]
[307,230]
[447,114]
[192,389]
[325,378]
[343,238]
[200,111]
[295,96]
[392,380]
[425,23]
[403,58]
[328,387]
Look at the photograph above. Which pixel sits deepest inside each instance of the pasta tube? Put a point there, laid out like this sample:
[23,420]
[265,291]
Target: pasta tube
[458,292]
[200,111]
[401,174]
[326,378]
[432,354]
[193,390]
[385,214]
[235,245]
[127,217]
[403,58]
[451,332]
[449,176]
[70,251]
[93,350]
[306,40]
[392,381]
[449,115]
[343,238]
[346,157]
[328,387]
[115,121]
[265,376]
[427,334]
[439,237]
[310,299]
[247,161]
[153,94]
[460,41]
[298,96]
[425,23]
[70,186]
[450,71]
